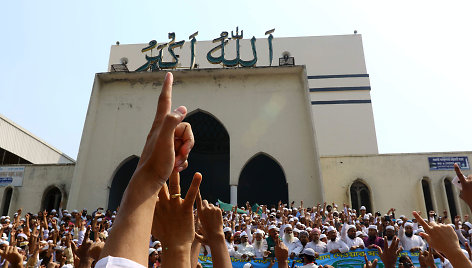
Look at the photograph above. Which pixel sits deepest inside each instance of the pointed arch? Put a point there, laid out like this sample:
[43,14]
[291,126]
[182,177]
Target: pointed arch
[427,194]
[360,195]
[52,198]
[120,179]
[262,180]
[210,156]
[7,195]
[451,202]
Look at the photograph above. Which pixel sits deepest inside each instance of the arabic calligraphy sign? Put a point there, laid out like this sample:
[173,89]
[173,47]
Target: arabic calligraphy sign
[154,63]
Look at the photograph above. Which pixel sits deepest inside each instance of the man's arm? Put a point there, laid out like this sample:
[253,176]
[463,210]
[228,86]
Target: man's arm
[166,149]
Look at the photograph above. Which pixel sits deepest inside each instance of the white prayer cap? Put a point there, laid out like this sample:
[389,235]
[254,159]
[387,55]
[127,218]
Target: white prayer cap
[322,236]
[155,243]
[3,242]
[227,229]
[470,231]
[291,220]
[243,234]
[295,218]
[468,224]
[152,250]
[362,208]
[272,227]
[350,227]
[247,265]
[399,222]
[22,235]
[53,211]
[331,228]
[296,230]
[159,249]
[75,211]
[358,233]
[390,227]
[308,251]
[7,220]
[259,231]
[99,220]
[402,216]
[309,229]
[295,209]
[373,227]
[408,224]
[420,230]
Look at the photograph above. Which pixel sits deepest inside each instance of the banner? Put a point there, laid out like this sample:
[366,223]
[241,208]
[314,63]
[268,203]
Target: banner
[349,259]
[228,207]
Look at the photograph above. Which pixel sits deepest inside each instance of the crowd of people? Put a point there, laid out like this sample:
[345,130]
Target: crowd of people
[156,227]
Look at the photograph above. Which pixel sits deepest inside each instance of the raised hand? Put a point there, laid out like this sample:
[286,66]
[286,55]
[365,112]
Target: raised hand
[389,254]
[173,222]
[444,239]
[369,264]
[11,254]
[466,183]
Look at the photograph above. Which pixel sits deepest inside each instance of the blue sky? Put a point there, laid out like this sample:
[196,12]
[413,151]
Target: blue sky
[418,55]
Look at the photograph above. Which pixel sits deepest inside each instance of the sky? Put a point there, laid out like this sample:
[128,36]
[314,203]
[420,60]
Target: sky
[418,55]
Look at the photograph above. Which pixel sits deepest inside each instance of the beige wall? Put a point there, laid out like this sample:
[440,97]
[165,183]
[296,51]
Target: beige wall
[394,181]
[263,109]
[349,126]
[36,181]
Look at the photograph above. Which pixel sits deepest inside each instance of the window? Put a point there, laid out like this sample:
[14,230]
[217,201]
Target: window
[427,195]
[360,196]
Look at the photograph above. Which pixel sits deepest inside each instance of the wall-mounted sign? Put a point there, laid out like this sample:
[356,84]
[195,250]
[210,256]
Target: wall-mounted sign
[11,176]
[154,63]
[447,162]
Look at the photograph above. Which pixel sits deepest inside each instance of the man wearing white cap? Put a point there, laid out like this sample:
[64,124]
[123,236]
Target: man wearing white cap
[273,235]
[362,211]
[348,235]
[390,234]
[372,239]
[409,240]
[308,255]
[289,239]
[228,239]
[245,250]
[335,245]
[259,244]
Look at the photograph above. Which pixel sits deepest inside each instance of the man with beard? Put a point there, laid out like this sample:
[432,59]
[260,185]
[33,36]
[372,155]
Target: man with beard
[245,250]
[372,239]
[348,235]
[390,234]
[316,244]
[259,244]
[290,240]
[409,240]
[273,235]
[229,240]
[335,245]
[301,244]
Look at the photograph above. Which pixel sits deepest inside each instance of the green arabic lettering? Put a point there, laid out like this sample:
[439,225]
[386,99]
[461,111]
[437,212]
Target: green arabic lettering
[269,39]
[192,49]
[222,39]
[172,45]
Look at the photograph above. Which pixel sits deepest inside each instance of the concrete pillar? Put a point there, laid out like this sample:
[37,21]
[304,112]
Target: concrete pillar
[234,195]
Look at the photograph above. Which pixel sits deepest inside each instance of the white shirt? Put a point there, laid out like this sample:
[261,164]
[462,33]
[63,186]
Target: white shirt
[337,244]
[112,262]
[245,249]
[230,247]
[357,241]
[291,245]
[410,242]
[319,247]
[309,265]
[260,251]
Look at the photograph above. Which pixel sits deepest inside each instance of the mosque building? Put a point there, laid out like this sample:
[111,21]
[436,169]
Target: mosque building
[274,119]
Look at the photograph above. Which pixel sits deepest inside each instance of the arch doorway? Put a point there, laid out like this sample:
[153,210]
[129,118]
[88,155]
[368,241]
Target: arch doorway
[120,181]
[360,196]
[262,181]
[7,194]
[209,156]
[52,198]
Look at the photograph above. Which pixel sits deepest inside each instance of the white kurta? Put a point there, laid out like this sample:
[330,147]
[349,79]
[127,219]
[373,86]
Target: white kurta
[410,242]
[230,247]
[337,244]
[260,251]
[247,250]
[319,247]
[291,245]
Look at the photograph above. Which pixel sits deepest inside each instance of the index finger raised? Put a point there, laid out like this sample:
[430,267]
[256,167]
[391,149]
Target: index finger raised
[459,174]
[420,220]
[165,98]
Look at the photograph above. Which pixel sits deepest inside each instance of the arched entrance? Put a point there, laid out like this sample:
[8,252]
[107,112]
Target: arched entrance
[120,181]
[262,181]
[7,194]
[450,198]
[51,199]
[360,196]
[209,156]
